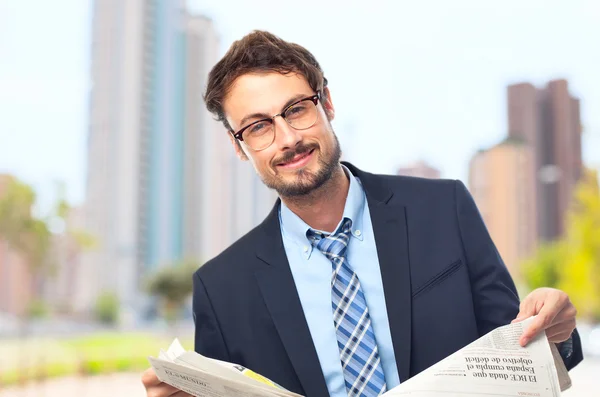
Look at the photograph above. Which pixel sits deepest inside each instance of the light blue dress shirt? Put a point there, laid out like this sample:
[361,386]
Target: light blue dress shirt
[312,275]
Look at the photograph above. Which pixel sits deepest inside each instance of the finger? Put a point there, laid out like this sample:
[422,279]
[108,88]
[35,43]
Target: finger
[568,313]
[560,318]
[558,338]
[543,320]
[181,394]
[567,326]
[162,390]
[566,317]
[149,378]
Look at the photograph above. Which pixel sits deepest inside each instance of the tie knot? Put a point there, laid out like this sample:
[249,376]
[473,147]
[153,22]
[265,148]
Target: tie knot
[334,244]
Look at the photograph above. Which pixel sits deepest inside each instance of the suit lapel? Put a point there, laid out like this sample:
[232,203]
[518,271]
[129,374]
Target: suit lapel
[281,298]
[389,226]
[391,238]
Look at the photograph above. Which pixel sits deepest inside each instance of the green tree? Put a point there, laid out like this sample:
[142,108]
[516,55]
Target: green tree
[581,274]
[30,234]
[543,270]
[107,308]
[23,231]
[172,285]
[573,263]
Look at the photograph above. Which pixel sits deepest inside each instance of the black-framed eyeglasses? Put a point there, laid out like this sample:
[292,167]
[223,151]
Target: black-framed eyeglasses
[300,115]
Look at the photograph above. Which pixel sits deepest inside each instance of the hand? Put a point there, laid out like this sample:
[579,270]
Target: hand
[156,388]
[555,315]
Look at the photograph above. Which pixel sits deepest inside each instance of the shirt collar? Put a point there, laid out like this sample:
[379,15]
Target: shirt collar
[295,228]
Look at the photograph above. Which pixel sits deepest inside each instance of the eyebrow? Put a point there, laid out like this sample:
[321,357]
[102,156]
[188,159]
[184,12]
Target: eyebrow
[290,101]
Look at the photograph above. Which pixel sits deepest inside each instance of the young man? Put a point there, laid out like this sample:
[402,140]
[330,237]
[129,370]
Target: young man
[355,282]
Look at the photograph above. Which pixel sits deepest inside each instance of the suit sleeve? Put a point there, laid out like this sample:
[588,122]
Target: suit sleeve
[208,339]
[495,297]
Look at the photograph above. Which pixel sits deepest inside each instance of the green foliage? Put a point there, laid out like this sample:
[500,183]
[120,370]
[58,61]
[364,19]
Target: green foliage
[544,269]
[107,308]
[172,285]
[93,367]
[37,309]
[573,263]
[30,235]
[16,202]
[83,240]
[19,227]
[93,354]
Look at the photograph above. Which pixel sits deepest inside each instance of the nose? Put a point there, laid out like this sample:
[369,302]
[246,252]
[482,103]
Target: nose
[286,137]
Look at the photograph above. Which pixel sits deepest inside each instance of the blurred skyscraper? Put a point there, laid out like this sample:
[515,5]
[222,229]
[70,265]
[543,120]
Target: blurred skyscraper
[419,169]
[524,186]
[549,121]
[504,195]
[162,181]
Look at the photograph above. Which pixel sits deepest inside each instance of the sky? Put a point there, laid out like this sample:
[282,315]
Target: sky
[409,80]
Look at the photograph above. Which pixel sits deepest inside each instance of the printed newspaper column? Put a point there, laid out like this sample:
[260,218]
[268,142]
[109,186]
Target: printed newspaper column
[493,365]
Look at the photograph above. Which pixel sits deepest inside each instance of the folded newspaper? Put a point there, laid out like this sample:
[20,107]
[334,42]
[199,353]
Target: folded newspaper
[495,364]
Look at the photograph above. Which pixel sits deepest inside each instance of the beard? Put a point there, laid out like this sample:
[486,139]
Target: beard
[305,181]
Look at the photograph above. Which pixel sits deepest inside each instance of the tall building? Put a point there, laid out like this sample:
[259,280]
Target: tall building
[419,169]
[504,196]
[548,119]
[116,174]
[252,200]
[163,184]
[183,153]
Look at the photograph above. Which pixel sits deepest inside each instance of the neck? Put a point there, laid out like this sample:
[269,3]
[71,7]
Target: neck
[322,208]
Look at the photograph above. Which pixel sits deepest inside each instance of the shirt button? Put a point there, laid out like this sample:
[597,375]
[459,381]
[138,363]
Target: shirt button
[357,233]
[306,248]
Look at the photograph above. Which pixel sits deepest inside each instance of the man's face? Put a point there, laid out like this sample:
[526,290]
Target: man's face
[298,161]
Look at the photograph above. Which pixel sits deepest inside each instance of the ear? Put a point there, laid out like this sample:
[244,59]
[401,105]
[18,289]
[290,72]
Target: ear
[237,146]
[328,104]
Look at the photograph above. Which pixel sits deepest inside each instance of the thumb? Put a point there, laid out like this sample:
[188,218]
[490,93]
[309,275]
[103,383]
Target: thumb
[538,325]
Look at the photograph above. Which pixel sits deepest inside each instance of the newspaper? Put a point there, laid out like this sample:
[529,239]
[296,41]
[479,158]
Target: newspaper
[205,377]
[494,365]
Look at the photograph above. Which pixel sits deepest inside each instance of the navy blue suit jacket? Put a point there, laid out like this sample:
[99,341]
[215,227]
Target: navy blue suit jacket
[445,285]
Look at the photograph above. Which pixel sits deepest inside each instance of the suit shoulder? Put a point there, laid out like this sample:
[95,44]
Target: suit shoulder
[412,187]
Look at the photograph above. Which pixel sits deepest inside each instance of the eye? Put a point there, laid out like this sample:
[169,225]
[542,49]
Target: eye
[296,110]
[258,128]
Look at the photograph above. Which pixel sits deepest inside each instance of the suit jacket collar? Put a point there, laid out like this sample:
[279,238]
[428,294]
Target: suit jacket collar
[281,297]
[375,187]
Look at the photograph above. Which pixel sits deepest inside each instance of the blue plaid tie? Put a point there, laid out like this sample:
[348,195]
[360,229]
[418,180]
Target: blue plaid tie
[363,372]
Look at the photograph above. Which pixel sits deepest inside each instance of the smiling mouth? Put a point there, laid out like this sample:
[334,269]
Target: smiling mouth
[298,160]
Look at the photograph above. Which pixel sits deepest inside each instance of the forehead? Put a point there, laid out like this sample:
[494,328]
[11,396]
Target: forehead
[262,93]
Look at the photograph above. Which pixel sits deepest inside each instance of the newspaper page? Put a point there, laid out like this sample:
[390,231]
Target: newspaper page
[204,377]
[494,365]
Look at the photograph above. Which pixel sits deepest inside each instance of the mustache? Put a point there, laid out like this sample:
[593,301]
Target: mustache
[298,150]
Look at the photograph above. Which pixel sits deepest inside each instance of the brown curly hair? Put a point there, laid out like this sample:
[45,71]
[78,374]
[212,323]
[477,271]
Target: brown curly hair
[259,51]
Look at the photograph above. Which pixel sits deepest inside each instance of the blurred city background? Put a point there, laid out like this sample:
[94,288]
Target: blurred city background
[116,183]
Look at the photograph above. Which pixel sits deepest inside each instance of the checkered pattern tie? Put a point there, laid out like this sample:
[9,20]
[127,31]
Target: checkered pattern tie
[363,372]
